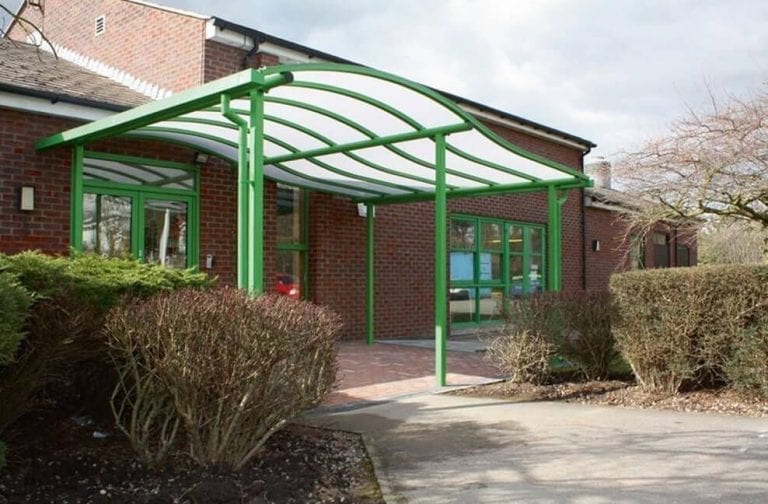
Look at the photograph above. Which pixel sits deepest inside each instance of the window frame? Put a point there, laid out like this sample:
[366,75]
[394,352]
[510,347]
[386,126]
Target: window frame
[138,193]
[504,282]
[302,247]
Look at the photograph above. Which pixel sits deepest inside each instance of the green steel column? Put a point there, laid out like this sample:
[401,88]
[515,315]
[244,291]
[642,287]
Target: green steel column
[441,262]
[76,205]
[560,202]
[369,274]
[554,256]
[242,192]
[256,194]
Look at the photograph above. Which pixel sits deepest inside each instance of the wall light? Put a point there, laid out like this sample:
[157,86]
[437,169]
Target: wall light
[27,198]
[596,245]
[201,158]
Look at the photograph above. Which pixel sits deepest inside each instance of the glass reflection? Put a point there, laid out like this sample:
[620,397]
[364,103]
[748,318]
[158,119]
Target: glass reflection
[462,304]
[165,233]
[462,234]
[290,267]
[107,225]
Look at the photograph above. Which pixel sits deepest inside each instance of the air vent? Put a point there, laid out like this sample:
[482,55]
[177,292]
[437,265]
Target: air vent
[101,24]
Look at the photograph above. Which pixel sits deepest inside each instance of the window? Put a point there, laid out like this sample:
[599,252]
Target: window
[683,255]
[660,250]
[139,208]
[636,252]
[492,260]
[291,276]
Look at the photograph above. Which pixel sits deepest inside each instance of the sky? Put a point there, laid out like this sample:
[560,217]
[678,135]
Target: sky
[616,72]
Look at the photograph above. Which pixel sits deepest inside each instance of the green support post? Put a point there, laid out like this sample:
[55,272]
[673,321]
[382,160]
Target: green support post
[441,261]
[76,231]
[554,240]
[256,194]
[243,224]
[369,274]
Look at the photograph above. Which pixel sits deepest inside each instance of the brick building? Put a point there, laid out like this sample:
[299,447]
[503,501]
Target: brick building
[314,242]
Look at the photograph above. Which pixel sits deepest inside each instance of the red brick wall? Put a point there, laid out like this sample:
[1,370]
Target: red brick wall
[155,45]
[610,229]
[404,240]
[47,227]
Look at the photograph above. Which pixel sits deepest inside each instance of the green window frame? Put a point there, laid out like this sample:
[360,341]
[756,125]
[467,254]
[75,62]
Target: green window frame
[298,245]
[138,193]
[492,260]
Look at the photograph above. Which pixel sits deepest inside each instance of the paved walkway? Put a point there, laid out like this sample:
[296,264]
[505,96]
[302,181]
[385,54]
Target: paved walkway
[436,448]
[383,371]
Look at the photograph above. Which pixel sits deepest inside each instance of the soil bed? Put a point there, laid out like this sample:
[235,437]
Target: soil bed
[627,394]
[66,463]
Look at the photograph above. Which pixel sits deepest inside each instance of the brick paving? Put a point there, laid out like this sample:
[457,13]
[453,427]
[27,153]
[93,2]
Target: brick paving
[383,371]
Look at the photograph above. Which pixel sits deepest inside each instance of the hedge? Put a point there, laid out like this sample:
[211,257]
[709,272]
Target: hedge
[689,327]
[71,299]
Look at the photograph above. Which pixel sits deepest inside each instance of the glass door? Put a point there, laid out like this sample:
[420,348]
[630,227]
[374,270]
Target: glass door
[165,236]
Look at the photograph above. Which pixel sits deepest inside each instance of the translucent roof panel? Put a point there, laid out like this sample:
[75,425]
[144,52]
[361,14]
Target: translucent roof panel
[344,129]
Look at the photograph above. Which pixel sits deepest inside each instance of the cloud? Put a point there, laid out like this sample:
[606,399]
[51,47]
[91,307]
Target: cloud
[613,72]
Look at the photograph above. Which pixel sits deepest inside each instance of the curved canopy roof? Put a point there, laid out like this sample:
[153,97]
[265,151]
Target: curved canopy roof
[343,129]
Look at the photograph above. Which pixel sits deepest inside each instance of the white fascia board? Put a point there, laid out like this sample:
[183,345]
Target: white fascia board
[227,37]
[241,41]
[501,121]
[45,107]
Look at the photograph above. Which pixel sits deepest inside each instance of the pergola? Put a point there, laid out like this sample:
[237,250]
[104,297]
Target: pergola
[348,130]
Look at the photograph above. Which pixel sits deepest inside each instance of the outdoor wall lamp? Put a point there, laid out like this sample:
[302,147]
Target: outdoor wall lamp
[27,198]
[201,158]
[596,245]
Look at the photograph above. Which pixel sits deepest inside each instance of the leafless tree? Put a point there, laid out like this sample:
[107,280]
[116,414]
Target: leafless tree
[34,33]
[711,165]
[731,243]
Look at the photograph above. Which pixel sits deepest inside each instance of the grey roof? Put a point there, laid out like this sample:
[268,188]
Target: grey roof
[28,70]
[618,199]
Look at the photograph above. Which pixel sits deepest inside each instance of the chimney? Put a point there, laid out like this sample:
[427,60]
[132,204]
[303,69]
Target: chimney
[599,170]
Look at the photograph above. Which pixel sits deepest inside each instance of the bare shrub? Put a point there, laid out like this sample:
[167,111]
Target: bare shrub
[523,356]
[578,325]
[586,338]
[234,368]
[523,349]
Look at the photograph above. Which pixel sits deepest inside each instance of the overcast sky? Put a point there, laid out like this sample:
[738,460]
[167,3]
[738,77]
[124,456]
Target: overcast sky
[612,71]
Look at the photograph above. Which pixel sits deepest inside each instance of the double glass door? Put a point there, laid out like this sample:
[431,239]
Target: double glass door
[155,229]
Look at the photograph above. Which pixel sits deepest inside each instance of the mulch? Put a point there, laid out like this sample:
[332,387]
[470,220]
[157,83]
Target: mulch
[65,463]
[626,394]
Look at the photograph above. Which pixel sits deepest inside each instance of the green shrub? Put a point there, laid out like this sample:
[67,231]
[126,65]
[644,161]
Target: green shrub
[15,301]
[72,298]
[681,327]
[227,369]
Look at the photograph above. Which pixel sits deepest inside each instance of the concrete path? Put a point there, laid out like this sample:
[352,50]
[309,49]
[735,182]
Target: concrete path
[436,448]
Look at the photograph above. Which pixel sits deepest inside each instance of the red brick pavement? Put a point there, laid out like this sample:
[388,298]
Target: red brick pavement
[382,371]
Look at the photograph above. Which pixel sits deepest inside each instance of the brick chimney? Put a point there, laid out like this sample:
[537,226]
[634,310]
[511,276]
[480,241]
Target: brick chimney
[599,170]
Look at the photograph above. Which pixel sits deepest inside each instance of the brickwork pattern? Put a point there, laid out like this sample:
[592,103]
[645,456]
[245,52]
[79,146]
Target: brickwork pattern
[610,229]
[161,47]
[385,371]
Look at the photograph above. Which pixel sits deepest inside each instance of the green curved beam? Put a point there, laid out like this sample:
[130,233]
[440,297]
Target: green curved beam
[430,93]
